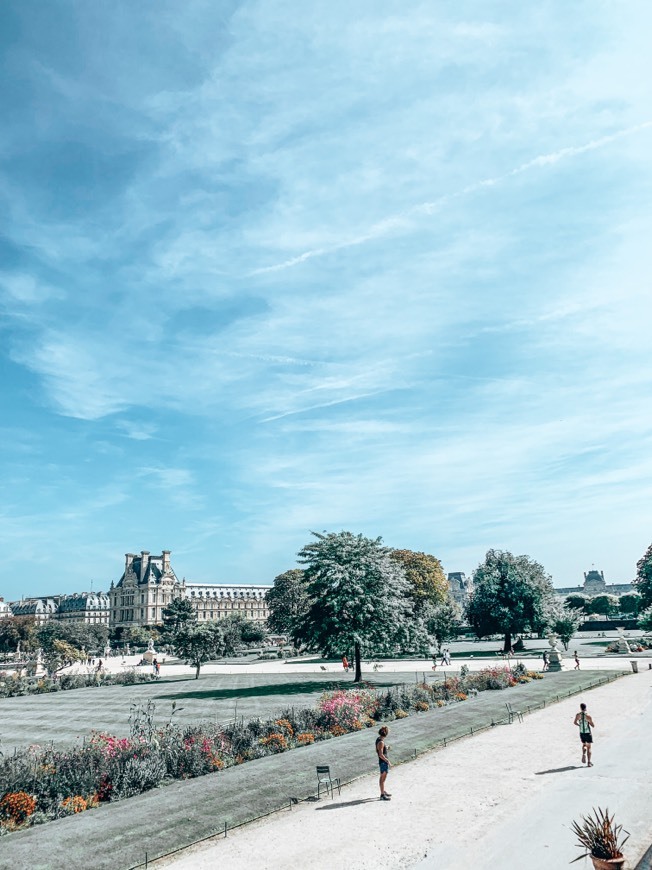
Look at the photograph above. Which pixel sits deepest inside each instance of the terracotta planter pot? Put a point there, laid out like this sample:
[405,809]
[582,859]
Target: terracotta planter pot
[608,863]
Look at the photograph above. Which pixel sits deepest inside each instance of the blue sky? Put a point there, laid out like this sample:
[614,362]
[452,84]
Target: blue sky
[268,268]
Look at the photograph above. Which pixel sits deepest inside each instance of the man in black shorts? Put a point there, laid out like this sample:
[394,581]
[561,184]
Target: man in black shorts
[383,761]
[585,723]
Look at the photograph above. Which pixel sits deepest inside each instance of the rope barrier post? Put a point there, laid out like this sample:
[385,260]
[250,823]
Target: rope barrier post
[225,830]
[145,860]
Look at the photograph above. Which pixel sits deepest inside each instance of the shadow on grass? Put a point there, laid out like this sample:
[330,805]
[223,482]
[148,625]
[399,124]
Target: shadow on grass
[302,688]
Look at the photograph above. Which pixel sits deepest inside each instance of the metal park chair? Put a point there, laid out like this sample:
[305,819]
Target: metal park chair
[511,713]
[326,781]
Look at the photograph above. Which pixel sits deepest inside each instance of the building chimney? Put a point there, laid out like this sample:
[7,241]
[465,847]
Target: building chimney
[129,558]
[166,561]
[144,562]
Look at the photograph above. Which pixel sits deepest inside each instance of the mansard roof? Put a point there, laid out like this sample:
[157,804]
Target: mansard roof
[154,569]
[83,601]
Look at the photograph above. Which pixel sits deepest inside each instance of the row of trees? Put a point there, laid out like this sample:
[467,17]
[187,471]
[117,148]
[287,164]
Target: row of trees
[63,643]
[627,605]
[353,595]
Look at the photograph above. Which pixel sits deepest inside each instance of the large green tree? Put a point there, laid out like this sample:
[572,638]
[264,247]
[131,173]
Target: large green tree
[563,620]
[442,622]
[59,646]
[643,580]
[576,601]
[15,630]
[198,644]
[645,619]
[428,585]
[603,605]
[287,600]
[358,597]
[630,603]
[177,615]
[511,594]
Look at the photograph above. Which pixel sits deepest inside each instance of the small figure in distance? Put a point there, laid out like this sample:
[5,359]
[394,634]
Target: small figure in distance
[546,661]
[383,761]
[434,662]
[345,664]
[585,723]
[577,661]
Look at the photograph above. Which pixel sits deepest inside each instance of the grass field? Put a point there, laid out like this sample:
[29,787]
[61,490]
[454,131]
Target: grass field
[64,716]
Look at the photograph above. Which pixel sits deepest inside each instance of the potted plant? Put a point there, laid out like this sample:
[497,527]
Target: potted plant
[601,839]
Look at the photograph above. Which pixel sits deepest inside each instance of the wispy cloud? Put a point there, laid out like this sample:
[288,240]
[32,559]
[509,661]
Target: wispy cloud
[402,221]
[282,271]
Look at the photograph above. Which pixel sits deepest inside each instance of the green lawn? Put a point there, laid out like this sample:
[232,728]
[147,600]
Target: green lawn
[64,716]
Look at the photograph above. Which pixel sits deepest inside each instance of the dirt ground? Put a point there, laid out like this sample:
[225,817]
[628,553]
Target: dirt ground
[510,792]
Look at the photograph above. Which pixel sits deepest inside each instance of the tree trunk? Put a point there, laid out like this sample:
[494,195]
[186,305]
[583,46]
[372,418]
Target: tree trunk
[197,667]
[508,641]
[358,663]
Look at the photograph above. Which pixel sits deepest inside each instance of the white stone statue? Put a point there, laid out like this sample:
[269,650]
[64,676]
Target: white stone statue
[554,656]
[623,645]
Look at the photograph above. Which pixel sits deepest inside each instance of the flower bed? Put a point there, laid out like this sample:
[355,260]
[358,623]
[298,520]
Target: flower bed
[43,783]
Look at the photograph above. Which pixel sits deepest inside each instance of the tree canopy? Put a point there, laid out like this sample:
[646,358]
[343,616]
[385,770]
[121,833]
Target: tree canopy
[645,619]
[643,579]
[443,622]
[357,597]
[287,600]
[427,582]
[198,644]
[15,630]
[630,603]
[604,605]
[177,615]
[511,594]
[564,620]
[576,601]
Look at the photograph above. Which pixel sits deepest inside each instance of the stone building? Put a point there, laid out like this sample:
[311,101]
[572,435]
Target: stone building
[5,610]
[41,609]
[149,583]
[460,587]
[595,584]
[89,607]
[216,602]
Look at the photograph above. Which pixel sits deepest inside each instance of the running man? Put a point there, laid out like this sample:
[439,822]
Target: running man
[577,661]
[383,761]
[585,723]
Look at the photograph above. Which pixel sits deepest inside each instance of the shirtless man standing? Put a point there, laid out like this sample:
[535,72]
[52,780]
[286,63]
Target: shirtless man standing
[585,723]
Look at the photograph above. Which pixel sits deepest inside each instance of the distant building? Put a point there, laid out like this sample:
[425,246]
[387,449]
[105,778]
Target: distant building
[41,609]
[595,584]
[460,587]
[5,610]
[149,583]
[89,607]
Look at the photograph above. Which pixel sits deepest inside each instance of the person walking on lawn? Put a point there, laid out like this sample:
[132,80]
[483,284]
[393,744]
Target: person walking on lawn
[383,761]
[585,723]
[577,661]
